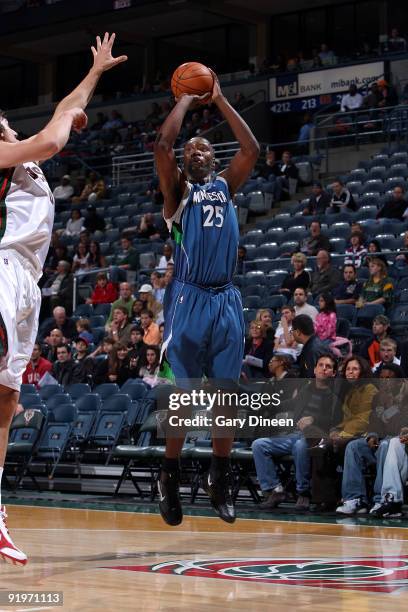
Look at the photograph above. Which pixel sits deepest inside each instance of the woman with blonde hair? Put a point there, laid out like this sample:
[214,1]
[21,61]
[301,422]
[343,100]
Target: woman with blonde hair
[264,318]
[378,289]
[298,278]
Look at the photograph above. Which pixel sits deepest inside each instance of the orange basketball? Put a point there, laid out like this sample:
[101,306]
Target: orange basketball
[192,78]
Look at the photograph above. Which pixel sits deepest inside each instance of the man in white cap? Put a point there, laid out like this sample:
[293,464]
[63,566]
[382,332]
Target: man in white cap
[64,191]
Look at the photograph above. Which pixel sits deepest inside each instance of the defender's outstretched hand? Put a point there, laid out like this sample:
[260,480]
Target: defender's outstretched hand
[103,59]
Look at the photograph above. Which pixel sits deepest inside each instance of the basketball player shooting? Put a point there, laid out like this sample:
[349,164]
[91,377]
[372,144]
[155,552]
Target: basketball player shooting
[26,220]
[204,327]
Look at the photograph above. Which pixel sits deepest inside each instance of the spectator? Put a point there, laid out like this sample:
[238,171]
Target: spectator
[64,370]
[395,206]
[136,347]
[52,342]
[115,122]
[87,189]
[366,451]
[59,287]
[240,102]
[370,350]
[279,367]
[388,354]
[94,222]
[137,308]
[287,176]
[402,257]
[147,228]
[301,305]
[151,369]
[305,132]
[151,333]
[117,366]
[84,363]
[101,119]
[307,412]
[394,475]
[242,253]
[373,98]
[325,277]
[62,322]
[396,43]
[341,199]
[105,292]
[358,399]
[101,365]
[83,328]
[127,258]
[388,94]
[84,238]
[378,289]
[326,320]
[74,224]
[81,258]
[37,367]
[356,251]
[207,120]
[298,278]
[156,280]
[318,201]
[351,101]
[349,290]
[95,257]
[356,409]
[125,299]
[284,342]
[258,351]
[327,56]
[149,303]
[64,191]
[316,242]
[264,317]
[267,169]
[313,347]
[374,247]
[167,256]
[316,61]
[120,327]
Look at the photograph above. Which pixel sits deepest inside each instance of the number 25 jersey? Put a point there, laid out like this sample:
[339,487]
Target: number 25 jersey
[206,234]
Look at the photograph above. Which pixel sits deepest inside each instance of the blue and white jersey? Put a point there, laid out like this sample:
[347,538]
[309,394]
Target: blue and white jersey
[206,234]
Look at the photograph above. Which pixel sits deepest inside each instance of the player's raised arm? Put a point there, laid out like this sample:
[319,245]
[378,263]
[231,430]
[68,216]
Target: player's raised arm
[102,61]
[170,177]
[244,160]
[43,145]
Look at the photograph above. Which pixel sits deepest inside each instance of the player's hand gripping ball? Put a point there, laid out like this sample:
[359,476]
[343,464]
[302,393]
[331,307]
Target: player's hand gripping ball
[193,78]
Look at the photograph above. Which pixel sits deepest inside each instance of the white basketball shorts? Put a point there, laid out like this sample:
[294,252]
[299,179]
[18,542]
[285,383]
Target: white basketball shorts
[20,301]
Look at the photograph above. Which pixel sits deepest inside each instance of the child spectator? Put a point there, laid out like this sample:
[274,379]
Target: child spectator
[83,327]
[326,320]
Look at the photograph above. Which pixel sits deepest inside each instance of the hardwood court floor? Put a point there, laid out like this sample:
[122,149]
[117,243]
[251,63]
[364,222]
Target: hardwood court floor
[286,565]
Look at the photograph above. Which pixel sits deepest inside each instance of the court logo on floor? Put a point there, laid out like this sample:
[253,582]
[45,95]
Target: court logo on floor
[375,574]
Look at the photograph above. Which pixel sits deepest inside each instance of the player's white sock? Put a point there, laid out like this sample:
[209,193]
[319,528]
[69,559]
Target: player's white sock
[1,474]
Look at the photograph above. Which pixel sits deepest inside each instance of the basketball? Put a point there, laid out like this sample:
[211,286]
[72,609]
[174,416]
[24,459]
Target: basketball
[192,78]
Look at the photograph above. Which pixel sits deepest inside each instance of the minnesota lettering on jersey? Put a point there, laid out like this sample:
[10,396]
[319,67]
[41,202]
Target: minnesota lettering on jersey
[209,196]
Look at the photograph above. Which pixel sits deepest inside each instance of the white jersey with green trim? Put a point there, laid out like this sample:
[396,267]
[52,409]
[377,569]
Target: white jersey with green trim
[26,213]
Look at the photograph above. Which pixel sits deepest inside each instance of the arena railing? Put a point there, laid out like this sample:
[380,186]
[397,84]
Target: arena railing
[128,169]
[140,275]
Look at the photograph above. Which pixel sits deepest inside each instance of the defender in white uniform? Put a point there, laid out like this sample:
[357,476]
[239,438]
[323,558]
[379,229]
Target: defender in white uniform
[26,219]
